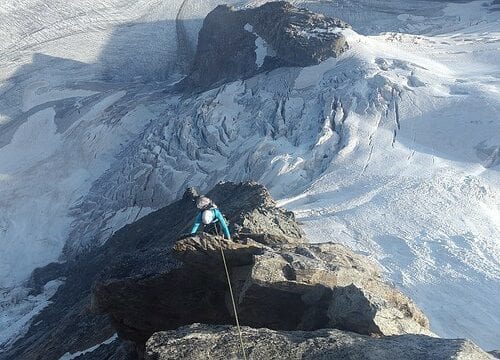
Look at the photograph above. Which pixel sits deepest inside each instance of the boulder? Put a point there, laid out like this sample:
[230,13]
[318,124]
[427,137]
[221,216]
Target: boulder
[204,252]
[309,286]
[237,44]
[200,342]
[283,287]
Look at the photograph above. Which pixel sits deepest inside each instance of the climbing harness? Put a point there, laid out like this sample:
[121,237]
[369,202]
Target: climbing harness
[232,295]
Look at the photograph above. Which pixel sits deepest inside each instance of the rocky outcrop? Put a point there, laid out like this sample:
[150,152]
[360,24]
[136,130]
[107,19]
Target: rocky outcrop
[326,285]
[236,44]
[139,250]
[322,285]
[149,277]
[283,287]
[41,276]
[252,212]
[200,342]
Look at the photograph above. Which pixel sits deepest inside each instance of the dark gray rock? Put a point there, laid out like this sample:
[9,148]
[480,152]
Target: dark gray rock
[204,252]
[310,286]
[139,250]
[284,287]
[227,48]
[251,210]
[221,342]
[41,276]
[143,281]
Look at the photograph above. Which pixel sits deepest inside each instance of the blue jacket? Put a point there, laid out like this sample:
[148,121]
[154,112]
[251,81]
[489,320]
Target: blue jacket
[217,218]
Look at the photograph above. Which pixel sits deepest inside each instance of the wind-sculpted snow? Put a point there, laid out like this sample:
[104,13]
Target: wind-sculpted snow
[392,149]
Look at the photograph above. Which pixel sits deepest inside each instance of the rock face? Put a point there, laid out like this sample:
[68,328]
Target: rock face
[149,277]
[239,44]
[327,285]
[221,342]
[289,286]
[139,250]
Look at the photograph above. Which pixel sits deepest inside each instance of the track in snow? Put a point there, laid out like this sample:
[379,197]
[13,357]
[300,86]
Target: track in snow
[185,50]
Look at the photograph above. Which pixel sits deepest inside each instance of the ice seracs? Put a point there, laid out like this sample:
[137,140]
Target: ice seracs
[421,196]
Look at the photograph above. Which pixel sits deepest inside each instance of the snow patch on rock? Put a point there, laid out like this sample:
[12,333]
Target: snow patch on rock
[69,356]
[262,50]
[19,307]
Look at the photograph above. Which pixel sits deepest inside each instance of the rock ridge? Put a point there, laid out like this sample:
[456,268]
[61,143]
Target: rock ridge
[200,342]
[150,278]
[291,286]
[237,44]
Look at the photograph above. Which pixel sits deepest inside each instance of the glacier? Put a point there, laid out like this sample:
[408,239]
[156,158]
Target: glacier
[392,149]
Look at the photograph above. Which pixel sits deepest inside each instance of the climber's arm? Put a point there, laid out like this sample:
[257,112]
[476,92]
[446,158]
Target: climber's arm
[197,223]
[223,224]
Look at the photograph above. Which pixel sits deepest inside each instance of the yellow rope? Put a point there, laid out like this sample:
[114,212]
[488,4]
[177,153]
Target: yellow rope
[232,296]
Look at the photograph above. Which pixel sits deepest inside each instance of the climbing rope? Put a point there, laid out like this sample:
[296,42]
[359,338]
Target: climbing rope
[231,293]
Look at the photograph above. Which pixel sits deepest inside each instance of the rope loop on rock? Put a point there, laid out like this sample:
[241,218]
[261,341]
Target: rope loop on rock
[232,295]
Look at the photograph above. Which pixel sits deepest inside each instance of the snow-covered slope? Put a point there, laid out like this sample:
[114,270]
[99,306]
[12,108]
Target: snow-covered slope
[392,149]
[67,107]
[416,184]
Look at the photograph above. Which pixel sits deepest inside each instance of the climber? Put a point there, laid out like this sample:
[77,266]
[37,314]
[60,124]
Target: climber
[210,215]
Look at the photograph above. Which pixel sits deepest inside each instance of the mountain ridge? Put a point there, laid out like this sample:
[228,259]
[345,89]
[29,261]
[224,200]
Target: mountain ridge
[406,124]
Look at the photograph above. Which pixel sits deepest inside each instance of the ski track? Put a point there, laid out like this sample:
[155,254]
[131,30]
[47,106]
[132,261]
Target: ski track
[404,169]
